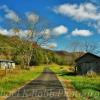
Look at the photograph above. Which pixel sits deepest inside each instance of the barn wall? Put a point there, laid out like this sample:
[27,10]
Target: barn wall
[97,68]
[83,68]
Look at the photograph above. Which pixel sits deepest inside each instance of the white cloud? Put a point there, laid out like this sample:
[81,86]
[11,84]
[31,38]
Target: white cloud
[4,31]
[78,32]
[85,12]
[56,31]
[10,14]
[47,33]
[59,30]
[50,46]
[79,12]
[11,32]
[32,17]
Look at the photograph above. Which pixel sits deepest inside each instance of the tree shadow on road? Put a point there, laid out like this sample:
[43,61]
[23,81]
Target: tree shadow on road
[65,73]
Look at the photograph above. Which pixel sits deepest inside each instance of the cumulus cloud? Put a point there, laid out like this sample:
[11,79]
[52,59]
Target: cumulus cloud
[87,12]
[59,30]
[10,14]
[4,31]
[56,31]
[46,33]
[32,17]
[11,32]
[50,46]
[78,32]
[79,12]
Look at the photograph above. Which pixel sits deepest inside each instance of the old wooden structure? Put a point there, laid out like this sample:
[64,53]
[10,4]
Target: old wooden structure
[7,64]
[87,63]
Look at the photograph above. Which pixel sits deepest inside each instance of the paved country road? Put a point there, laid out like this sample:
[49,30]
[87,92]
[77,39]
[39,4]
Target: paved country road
[45,87]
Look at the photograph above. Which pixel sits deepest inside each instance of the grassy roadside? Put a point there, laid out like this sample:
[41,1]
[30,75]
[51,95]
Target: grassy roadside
[78,87]
[18,78]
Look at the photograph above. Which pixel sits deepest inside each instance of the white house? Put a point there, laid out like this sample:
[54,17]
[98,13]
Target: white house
[7,64]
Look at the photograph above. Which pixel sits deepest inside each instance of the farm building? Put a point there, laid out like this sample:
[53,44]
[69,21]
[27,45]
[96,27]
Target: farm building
[7,64]
[87,63]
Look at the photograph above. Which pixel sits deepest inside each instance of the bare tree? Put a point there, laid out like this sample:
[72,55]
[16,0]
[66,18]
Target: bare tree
[36,35]
[84,46]
[76,49]
[91,47]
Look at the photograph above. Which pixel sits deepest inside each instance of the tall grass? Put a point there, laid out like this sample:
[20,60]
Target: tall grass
[18,78]
[88,87]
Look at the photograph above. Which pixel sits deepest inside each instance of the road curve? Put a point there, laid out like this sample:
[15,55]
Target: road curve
[45,87]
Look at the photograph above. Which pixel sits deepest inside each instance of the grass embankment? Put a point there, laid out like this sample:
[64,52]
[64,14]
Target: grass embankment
[88,87]
[17,78]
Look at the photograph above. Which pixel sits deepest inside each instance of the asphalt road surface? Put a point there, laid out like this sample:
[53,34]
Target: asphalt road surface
[45,87]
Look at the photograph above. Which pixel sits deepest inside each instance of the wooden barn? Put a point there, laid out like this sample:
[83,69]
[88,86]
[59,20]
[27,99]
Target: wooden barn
[7,64]
[87,63]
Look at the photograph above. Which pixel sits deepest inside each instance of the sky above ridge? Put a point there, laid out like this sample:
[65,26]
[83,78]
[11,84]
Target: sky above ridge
[70,20]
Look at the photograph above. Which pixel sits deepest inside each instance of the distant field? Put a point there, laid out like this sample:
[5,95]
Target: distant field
[18,78]
[88,87]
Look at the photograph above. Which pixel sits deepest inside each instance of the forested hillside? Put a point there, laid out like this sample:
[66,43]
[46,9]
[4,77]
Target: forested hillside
[12,48]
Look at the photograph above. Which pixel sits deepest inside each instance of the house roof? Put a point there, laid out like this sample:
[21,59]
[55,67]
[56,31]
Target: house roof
[2,60]
[93,55]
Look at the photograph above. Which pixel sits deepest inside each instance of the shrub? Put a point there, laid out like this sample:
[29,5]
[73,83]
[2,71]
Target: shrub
[91,74]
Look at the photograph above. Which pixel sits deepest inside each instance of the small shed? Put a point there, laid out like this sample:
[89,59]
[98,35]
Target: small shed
[87,63]
[7,64]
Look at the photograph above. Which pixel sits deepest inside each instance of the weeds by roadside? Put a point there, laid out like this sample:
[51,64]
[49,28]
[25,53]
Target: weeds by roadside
[17,78]
[88,87]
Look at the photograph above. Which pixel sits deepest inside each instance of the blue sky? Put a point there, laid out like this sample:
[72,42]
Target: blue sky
[70,20]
